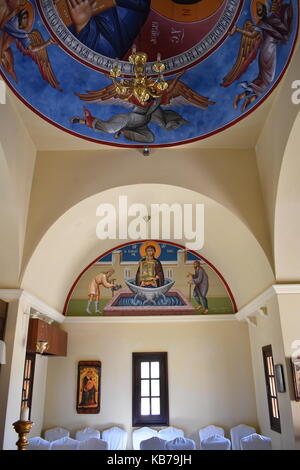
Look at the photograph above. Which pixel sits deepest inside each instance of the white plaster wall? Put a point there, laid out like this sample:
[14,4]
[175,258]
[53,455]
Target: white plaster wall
[210,373]
[268,331]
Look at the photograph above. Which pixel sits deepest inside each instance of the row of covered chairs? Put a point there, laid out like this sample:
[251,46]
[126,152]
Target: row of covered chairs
[242,437]
[58,438]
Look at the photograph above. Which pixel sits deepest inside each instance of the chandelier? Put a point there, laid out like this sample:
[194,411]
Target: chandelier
[142,87]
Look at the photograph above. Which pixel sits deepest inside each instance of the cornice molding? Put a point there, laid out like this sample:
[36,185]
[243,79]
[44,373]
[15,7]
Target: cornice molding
[32,302]
[258,305]
[154,319]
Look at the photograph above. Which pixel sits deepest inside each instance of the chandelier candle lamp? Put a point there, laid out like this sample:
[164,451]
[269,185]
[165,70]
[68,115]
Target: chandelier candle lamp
[142,87]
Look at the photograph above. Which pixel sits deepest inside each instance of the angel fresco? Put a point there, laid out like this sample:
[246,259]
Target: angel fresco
[134,125]
[273,27]
[16,24]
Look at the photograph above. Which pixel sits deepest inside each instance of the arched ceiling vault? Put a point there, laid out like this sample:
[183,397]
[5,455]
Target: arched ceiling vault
[63,179]
[70,244]
[287,220]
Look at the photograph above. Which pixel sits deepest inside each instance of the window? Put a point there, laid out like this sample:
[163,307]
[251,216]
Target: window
[3,315]
[170,273]
[271,388]
[127,273]
[150,403]
[28,381]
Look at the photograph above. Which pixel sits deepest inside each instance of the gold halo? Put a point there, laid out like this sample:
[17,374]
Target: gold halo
[146,244]
[31,15]
[255,18]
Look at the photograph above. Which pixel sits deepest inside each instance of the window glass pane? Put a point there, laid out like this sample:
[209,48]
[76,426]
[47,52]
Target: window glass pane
[145,406]
[155,370]
[145,370]
[155,388]
[271,387]
[271,366]
[145,388]
[155,406]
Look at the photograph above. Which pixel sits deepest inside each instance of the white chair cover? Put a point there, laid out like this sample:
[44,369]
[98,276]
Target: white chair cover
[208,431]
[256,442]
[116,438]
[37,443]
[93,444]
[181,443]
[154,443]
[216,443]
[56,433]
[140,435]
[237,433]
[87,433]
[65,443]
[170,433]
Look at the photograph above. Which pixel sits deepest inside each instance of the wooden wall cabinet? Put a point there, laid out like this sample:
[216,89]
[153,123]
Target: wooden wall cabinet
[41,331]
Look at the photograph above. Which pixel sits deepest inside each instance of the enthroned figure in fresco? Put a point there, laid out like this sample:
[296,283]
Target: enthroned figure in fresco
[102,279]
[200,281]
[113,31]
[150,272]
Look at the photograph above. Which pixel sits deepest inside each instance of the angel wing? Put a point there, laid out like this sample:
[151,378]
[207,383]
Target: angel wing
[105,95]
[249,47]
[178,94]
[7,11]
[40,57]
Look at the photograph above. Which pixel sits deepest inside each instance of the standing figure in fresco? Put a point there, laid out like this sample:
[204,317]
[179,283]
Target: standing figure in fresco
[16,23]
[112,31]
[200,281]
[102,279]
[274,27]
[150,272]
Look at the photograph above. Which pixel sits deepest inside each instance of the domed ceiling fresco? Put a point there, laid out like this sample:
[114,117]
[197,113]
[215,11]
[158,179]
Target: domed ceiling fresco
[145,72]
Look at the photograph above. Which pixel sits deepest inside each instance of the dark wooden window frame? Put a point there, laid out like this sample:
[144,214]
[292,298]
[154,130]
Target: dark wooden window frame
[272,395]
[152,420]
[3,317]
[29,379]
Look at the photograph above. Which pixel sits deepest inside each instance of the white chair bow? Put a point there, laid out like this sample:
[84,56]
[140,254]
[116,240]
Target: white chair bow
[154,443]
[216,443]
[116,438]
[56,433]
[37,443]
[256,442]
[140,435]
[238,432]
[170,433]
[65,443]
[181,443]
[87,433]
[93,444]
